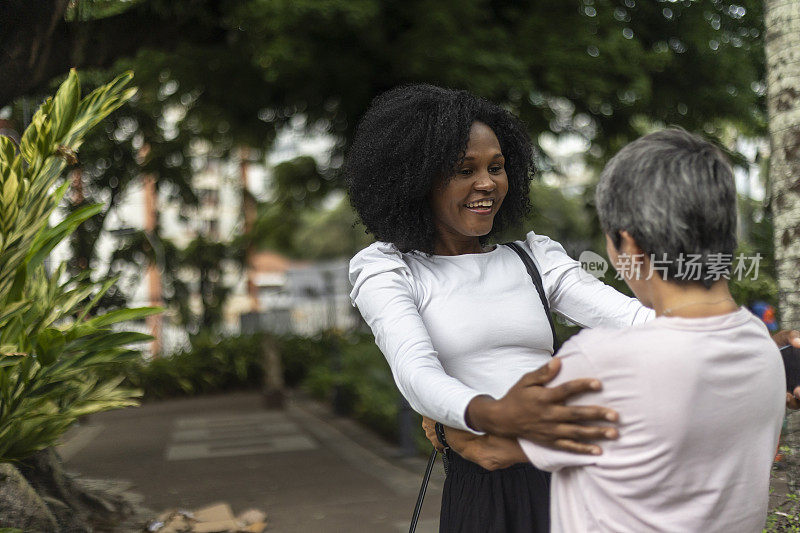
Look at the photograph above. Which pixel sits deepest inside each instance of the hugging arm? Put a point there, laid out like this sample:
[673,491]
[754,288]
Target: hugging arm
[577,295]
[587,301]
[493,452]
[489,451]
[536,413]
[384,294]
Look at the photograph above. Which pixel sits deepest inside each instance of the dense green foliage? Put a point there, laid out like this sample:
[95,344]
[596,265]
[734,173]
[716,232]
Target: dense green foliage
[231,74]
[51,340]
[207,366]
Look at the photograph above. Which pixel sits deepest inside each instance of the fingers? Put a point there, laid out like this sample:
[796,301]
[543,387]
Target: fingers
[543,375]
[577,447]
[434,441]
[784,337]
[791,401]
[571,388]
[579,413]
[584,433]
[430,432]
[547,435]
[794,338]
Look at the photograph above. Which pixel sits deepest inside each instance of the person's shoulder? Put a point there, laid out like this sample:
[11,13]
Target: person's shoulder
[548,253]
[377,258]
[537,242]
[377,252]
[605,345]
[760,332]
[591,337]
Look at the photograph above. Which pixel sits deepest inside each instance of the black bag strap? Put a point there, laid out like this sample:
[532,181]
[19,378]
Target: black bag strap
[425,479]
[537,281]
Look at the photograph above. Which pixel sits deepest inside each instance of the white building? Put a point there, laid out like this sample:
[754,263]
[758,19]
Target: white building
[265,285]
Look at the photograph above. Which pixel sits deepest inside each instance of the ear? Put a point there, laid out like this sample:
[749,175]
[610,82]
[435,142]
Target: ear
[628,244]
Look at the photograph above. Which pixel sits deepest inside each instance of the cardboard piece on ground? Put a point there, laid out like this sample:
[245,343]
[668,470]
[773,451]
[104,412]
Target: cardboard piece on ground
[176,527]
[256,527]
[172,521]
[214,513]
[220,526]
[215,518]
[251,516]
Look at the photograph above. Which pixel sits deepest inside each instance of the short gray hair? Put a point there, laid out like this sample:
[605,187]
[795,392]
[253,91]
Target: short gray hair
[674,192]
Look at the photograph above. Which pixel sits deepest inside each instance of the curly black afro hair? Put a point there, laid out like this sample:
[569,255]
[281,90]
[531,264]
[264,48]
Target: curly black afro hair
[411,139]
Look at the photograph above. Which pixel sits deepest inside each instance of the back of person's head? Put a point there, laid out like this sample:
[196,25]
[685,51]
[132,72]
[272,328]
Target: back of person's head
[410,139]
[674,193]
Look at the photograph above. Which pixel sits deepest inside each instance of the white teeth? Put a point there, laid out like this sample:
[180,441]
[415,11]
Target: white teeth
[482,203]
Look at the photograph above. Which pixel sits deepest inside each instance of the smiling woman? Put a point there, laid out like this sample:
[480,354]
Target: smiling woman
[412,142]
[433,174]
[465,205]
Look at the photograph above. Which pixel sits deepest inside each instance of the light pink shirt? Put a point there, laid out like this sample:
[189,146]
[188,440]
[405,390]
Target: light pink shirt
[701,403]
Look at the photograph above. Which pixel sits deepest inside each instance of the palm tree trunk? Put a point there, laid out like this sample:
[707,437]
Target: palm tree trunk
[782,48]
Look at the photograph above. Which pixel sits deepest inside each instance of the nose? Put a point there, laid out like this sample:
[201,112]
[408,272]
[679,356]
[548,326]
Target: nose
[485,182]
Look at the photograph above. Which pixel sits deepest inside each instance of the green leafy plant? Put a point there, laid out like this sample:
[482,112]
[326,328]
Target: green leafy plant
[50,343]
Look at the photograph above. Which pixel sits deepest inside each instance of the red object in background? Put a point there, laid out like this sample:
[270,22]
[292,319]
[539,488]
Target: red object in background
[766,313]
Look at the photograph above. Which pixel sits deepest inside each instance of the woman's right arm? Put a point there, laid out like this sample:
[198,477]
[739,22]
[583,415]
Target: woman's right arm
[383,291]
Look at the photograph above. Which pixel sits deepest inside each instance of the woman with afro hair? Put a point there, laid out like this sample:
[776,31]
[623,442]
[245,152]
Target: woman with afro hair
[434,173]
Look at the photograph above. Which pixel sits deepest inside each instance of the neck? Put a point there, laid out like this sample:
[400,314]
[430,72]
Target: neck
[691,300]
[467,245]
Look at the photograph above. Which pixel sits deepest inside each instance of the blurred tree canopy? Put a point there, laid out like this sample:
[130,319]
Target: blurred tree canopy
[600,68]
[216,75]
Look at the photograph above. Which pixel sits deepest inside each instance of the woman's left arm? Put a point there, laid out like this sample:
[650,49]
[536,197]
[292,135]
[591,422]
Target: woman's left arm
[489,451]
[585,300]
[577,295]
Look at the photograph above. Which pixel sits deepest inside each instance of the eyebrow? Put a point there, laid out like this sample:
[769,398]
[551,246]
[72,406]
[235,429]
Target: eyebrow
[495,156]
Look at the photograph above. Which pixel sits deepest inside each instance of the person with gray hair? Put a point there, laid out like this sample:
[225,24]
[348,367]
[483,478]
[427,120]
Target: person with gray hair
[675,194]
[699,389]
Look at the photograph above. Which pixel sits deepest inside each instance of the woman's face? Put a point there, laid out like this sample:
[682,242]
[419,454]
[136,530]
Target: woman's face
[464,208]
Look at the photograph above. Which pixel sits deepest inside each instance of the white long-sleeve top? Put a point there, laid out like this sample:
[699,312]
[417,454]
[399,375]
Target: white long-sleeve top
[455,327]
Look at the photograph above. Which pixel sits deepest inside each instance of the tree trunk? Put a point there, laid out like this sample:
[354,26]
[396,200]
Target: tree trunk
[76,508]
[38,495]
[273,390]
[21,506]
[782,48]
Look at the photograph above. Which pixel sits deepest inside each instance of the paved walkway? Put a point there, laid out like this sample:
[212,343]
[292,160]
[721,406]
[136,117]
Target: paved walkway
[309,470]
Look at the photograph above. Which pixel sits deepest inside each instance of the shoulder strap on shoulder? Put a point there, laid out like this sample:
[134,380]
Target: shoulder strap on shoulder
[537,281]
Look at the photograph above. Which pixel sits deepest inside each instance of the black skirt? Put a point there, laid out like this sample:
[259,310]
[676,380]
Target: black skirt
[512,500]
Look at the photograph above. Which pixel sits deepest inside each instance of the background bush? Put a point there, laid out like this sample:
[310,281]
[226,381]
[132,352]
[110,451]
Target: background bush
[208,366]
[366,388]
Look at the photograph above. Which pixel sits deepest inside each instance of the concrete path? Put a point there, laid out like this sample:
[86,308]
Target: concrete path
[309,470]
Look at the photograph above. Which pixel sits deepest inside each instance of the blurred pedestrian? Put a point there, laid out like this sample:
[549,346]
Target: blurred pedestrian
[766,313]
